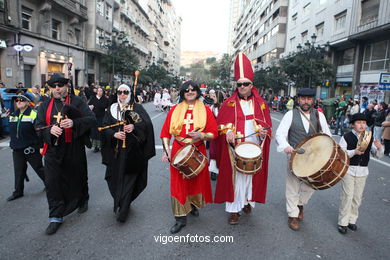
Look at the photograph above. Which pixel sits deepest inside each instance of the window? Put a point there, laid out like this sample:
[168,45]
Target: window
[91,62]
[294,19]
[306,10]
[376,56]
[1,4]
[320,31]
[26,18]
[370,9]
[304,37]
[292,42]
[340,19]
[108,12]
[55,29]
[77,34]
[347,57]
[99,36]
[275,30]
[100,7]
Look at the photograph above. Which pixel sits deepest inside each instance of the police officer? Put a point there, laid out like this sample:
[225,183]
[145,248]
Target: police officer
[24,143]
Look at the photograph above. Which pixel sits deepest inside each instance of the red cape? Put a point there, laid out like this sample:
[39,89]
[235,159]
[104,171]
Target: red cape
[231,112]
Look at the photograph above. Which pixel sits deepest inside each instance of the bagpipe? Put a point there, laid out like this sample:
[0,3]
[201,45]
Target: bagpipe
[128,115]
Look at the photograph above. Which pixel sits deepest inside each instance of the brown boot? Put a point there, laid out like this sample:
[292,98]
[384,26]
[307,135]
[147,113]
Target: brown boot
[293,223]
[247,209]
[300,216]
[233,219]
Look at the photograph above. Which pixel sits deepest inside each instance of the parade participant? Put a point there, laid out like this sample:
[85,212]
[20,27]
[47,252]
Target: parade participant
[166,100]
[98,104]
[64,122]
[218,99]
[242,118]
[126,150]
[24,144]
[157,100]
[296,125]
[190,122]
[352,185]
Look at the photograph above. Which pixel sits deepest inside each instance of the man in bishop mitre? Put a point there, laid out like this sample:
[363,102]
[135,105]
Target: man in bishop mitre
[243,117]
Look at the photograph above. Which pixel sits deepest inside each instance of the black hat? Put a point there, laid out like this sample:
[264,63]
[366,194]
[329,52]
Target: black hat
[306,92]
[208,101]
[22,96]
[57,78]
[358,116]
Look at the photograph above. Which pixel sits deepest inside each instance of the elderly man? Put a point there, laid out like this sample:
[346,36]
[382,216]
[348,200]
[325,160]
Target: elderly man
[64,122]
[296,125]
[244,117]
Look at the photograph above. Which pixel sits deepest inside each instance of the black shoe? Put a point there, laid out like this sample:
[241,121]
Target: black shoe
[180,223]
[194,211]
[352,227]
[342,229]
[213,176]
[83,207]
[52,228]
[122,214]
[14,197]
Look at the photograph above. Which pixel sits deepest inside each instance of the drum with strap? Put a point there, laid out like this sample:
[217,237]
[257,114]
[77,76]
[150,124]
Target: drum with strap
[189,161]
[248,158]
[322,164]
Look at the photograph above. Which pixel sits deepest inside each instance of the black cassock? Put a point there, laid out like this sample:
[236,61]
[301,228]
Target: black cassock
[66,172]
[127,168]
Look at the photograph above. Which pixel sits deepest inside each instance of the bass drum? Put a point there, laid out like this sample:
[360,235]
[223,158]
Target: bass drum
[322,165]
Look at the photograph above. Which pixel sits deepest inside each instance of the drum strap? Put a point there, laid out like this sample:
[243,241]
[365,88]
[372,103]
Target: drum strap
[310,123]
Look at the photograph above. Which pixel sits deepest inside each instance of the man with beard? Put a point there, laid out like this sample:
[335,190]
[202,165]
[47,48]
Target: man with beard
[63,123]
[296,125]
[126,150]
[243,117]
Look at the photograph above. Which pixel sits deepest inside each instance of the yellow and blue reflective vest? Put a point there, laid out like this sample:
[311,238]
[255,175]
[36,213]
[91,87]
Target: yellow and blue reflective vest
[21,129]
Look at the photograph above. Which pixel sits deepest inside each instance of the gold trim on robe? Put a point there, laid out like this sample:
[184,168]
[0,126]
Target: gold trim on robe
[180,210]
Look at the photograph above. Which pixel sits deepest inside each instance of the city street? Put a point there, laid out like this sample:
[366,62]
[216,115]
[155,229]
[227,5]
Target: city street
[262,235]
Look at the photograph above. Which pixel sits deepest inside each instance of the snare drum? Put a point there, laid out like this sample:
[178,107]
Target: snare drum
[189,161]
[322,165]
[248,158]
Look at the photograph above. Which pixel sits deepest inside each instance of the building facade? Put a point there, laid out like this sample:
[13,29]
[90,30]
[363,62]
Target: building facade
[71,37]
[260,31]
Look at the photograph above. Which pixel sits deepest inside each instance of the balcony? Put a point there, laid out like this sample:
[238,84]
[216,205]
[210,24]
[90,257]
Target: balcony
[127,14]
[366,26]
[73,7]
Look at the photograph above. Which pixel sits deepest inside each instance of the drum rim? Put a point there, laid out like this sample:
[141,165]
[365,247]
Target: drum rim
[334,151]
[178,151]
[261,150]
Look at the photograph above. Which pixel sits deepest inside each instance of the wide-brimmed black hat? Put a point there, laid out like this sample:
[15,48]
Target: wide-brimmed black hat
[57,78]
[358,117]
[208,101]
[306,92]
[23,96]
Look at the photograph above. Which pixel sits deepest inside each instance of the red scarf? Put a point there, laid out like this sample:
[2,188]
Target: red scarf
[68,131]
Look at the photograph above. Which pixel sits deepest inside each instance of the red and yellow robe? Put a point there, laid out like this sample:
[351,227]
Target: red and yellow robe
[231,117]
[196,191]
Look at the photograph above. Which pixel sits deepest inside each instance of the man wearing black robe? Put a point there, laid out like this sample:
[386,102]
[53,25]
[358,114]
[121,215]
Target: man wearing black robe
[65,163]
[126,172]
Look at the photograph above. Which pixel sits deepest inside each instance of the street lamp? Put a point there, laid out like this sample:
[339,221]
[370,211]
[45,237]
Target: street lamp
[313,38]
[299,47]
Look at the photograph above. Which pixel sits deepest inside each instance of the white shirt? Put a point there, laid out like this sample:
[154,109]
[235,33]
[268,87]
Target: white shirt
[355,170]
[284,126]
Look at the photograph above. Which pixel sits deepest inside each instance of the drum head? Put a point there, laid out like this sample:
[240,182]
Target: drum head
[248,150]
[181,154]
[318,151]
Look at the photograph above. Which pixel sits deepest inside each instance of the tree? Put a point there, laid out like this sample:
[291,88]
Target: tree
[307,68]
[271,78]
[120,59]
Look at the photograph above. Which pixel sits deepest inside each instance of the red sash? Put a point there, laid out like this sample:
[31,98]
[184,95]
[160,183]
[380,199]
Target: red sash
[68,131]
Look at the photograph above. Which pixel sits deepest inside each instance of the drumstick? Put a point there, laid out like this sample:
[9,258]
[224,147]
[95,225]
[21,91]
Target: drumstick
[196,130]
[299,150]
[251,134]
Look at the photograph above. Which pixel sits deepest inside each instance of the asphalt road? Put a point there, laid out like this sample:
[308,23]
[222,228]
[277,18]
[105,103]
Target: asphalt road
[262,235]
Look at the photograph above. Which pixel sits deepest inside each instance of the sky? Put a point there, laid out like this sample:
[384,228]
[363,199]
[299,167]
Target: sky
[205,24]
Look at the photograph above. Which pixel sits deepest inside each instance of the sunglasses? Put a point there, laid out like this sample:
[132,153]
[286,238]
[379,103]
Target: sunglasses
[245,84]
[20,100]
[189,89]
[54,85]
[124,92]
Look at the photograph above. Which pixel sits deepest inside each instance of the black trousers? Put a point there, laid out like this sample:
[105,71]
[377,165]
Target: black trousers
[20,167]
[387,146]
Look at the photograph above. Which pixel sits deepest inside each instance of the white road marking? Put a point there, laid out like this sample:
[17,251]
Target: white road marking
[157,115]
[275,119]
